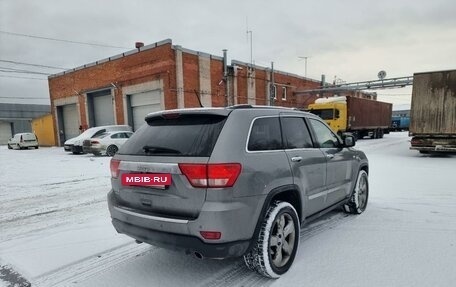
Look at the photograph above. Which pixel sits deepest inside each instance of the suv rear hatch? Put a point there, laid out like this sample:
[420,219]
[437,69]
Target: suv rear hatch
[168,144]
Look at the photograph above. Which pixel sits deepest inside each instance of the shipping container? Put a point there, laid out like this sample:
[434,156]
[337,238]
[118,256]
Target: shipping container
[362,117]
[433,112]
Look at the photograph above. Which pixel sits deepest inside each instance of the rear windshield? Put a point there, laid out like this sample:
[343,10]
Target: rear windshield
[187,135]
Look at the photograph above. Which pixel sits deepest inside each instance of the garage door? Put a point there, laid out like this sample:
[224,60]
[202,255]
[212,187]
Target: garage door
[103,110]
[5,132]
[70,121]
[143,104]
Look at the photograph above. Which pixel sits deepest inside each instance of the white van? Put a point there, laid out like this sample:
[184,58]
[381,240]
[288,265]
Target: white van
[23,141]
[75,144]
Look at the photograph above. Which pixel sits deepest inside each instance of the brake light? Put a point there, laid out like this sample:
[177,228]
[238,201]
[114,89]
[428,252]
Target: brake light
[211,175]
[114,165]
[94,142]
[211,235]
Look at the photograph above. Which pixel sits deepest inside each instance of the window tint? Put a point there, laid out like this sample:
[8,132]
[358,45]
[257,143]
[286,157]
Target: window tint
[265,135]
[326,114]
[103,135]
[116,136]
[296,133]
[98,133]
[325,137]
[128,135]
[187,135]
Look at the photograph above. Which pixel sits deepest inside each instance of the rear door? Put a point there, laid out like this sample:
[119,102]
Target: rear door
[308,164]
[157,148]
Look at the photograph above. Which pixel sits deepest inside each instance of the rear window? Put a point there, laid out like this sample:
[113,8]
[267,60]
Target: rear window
[187,135]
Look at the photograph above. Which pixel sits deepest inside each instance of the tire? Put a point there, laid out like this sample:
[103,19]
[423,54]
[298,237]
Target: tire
[111,150]
[374,134]
[10,147]
[269,256]
[36,147]
[380,133]
[358,200]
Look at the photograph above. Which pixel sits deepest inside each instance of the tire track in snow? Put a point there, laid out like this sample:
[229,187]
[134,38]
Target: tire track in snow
[240,275]
[15,230]
[95,264]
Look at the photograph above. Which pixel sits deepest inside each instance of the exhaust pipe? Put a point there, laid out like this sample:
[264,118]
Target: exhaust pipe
[198,255]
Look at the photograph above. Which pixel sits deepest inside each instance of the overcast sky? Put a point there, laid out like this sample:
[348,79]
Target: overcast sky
[350,40]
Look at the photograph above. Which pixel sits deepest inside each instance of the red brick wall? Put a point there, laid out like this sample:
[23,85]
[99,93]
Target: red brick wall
[157,63]
[218,91]
[291,82]
[191,79]
[160,64]
[242,86]
[261,86]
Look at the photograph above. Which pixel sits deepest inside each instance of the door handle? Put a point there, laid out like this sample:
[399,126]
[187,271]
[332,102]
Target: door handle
[296,159]
[329,156]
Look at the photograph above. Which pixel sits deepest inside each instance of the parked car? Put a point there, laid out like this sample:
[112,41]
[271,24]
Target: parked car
[107,143]
[23,141]
[236,181]
[74,145]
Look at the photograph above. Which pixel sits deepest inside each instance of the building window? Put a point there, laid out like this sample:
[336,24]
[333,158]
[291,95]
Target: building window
[273,92]
[284,93]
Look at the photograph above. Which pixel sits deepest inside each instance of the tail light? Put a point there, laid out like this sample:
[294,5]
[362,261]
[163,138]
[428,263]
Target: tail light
[115,168]
[211,235]
[94,142]
[211,175]
[417,141]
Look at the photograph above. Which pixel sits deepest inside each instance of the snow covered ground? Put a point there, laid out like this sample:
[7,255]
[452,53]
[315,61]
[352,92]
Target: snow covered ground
[55,229]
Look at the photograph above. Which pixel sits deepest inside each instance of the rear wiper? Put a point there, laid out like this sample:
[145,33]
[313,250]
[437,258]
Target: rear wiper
[159,149]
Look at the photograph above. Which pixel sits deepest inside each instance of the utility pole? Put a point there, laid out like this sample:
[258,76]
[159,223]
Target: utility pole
[272,91]
[305,64]
[251,46]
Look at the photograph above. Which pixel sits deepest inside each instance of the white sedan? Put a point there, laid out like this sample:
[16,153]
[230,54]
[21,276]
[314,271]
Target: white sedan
[107,143]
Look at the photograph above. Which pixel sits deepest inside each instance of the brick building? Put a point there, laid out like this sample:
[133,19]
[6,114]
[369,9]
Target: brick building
[124,88]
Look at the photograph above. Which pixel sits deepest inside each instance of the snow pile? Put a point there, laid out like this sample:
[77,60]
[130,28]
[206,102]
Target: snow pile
[341,99]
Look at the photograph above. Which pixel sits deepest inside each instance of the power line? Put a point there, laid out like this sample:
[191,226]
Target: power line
[14,70]
[23,72]
[61,40]
[23,98]
[17,77]
[34,65]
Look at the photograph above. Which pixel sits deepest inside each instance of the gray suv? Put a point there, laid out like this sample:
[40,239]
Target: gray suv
[235,181]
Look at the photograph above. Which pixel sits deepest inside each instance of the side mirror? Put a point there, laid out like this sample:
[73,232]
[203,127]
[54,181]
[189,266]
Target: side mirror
[349,140]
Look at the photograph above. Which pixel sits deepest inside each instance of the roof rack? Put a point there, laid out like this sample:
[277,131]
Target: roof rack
[246,106]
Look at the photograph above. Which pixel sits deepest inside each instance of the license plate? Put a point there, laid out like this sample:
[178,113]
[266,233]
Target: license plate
[146,179]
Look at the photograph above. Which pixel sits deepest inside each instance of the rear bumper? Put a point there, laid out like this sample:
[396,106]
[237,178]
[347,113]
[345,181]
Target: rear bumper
[189,244]
[235,222]
[434,143]
[77,149]
[441,148]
